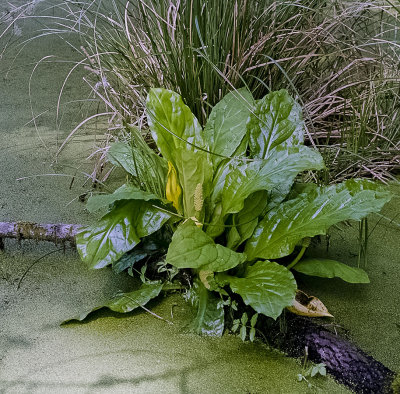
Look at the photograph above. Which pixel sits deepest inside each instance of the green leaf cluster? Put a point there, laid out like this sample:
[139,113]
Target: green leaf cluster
[245,327]
[231,203]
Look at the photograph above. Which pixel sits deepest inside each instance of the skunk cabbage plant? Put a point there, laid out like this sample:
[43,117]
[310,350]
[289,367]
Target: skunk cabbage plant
[227,194]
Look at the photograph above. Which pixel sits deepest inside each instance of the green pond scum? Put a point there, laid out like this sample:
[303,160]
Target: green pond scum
[137,353]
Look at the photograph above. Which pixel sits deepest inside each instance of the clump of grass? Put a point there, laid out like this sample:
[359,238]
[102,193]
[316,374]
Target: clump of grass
[340,58]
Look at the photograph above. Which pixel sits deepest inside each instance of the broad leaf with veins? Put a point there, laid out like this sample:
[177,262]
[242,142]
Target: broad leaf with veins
[172,124]
[180,139]
[118,232]
[191,247]
[312,213]
[266,286]
[226,126]
[275,121]
[276,175]
[326,268]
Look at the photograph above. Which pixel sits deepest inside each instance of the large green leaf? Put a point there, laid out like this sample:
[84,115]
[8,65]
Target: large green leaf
[247,219]
[275,121]
[118,232]
[312,213]
[209,318]
[178,135]
[172,124]
[279,170]
[121,154]
[226,125]
[275,174]
[266,286]
[142,163]
[325,268]
[126,302]
[191,247]
[125,192]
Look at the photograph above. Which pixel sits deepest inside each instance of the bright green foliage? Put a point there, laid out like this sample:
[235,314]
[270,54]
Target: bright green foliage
[267,286]
[231,202]
[172,124]
[193,168]
[191,247]
[326,268]
[225,131]
[118,232]
[179,138]
[274,174]
[313,213]
[246,220]
[275,121]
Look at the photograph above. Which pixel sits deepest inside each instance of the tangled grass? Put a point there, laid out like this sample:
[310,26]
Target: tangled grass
[339,58]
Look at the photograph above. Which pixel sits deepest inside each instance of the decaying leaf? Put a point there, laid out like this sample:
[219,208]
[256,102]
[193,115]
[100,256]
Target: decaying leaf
[305,305]
[197,223]
[205,276]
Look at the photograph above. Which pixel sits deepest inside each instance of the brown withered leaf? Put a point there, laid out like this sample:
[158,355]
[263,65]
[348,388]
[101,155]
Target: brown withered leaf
[206,276]
[305,305]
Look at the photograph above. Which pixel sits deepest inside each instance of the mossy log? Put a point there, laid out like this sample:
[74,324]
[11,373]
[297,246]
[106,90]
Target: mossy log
[347,363]
[56,233]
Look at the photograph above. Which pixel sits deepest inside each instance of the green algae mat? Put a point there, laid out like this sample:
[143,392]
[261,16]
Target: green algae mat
[134,353]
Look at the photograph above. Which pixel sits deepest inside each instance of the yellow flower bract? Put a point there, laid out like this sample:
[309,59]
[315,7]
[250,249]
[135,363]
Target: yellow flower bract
[173,190]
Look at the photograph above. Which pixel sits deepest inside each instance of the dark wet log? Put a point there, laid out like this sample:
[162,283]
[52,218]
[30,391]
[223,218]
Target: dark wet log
[347,363]
[41,232]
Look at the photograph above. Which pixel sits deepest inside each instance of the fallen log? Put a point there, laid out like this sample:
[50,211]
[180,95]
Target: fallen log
[41,232]
[347,363]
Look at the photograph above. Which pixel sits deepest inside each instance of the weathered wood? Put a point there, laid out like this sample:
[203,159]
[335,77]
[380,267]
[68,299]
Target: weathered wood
[41,232]
[346,362]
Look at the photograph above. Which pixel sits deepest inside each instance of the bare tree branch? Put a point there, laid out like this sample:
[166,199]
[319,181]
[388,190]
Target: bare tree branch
[59,232]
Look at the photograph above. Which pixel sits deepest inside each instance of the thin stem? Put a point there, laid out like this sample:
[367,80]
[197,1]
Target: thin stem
[366,243]
[172,287]
[148,310]
[298,257]
[34,263]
